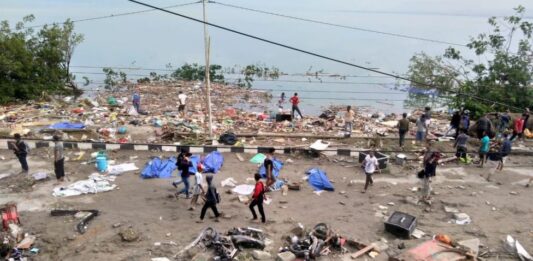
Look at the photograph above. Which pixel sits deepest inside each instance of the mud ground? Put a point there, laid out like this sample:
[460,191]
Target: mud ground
[497,208]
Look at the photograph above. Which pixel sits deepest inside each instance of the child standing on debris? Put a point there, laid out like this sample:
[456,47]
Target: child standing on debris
[183,165]
[403,128]
[348,120]
[257,198]
[370,164]
[212,198]
[182,99]
[269,167]
[484,149]
[295,101]
[59,159]
[21,150]
[197,190]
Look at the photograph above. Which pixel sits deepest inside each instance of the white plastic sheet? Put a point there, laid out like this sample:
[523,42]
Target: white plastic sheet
[243,189]
[121,168]
[96,183]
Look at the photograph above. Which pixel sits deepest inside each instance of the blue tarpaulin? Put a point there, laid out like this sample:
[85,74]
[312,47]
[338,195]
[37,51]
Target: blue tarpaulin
[195,159]
[213,162]
[319,180]
[278,165]
[159,168]
[67,126]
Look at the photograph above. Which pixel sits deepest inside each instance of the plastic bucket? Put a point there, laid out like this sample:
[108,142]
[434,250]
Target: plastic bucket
[101,163]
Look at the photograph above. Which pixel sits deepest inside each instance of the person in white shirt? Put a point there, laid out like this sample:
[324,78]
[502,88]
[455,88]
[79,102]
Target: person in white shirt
[182,100]
[370,164]
[197,190]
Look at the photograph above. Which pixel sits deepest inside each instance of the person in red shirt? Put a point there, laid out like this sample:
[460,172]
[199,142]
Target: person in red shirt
[518,127]
[257,198]
[295,101]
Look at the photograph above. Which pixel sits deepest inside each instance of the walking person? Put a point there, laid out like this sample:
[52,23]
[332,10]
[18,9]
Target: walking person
[182,99]
[460,145]
[421,129]
[403,128]
[454,124]
[483,125]
[526,118]
[505,150]
[212,198]
[269,167]
[183,165]
[59,159]
[349,117]
[197,189]
[257,198]
[295,101]
[431,160]
[137,101]
[484,149]
[281,101]
[21,150]
[370,164]
[518,128]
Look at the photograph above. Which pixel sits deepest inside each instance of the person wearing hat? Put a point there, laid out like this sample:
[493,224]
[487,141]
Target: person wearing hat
[59,159]
[21,150]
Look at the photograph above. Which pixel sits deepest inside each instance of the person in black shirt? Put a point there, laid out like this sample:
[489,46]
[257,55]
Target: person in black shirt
[21,150]
[183,165]
[211,200]
[269,167]
[454,124]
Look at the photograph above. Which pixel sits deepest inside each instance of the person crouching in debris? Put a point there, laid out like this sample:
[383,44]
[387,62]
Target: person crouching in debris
[212,198]
[269,167]
[370,164]
[59,159]
[197,189]
[257,198]
[183,165]
[431,160]
[21,150]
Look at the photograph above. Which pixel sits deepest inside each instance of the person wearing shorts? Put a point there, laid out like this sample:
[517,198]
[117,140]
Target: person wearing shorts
[484,149]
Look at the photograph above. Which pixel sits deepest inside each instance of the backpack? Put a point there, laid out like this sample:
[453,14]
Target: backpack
[228,138]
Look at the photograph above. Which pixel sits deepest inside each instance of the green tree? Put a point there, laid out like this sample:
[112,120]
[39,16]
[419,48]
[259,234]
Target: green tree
[35,63]
[114,79]
[195,72]
[499,77]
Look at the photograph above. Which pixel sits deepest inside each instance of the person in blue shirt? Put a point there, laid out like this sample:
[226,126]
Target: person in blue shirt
[484,149]
[137,101]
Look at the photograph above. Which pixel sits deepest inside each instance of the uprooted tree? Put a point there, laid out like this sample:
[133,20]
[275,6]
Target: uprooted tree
[36,63]
[500,76]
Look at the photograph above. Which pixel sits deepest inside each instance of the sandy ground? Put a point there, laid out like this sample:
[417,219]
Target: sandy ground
[148,207]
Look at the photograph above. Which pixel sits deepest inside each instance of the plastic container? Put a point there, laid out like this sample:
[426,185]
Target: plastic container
[101,163]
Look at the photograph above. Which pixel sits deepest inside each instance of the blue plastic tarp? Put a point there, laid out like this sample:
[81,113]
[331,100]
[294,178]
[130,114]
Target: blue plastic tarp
[159,168]
[319,180]
[278,165]
[195,159]
[213,162]
[67,126]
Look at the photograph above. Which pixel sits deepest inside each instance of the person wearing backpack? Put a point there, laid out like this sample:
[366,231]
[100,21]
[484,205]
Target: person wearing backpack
[21,150]
[212,198]
[257,198]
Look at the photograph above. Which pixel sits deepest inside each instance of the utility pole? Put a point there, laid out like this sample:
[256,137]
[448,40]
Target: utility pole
[207,79]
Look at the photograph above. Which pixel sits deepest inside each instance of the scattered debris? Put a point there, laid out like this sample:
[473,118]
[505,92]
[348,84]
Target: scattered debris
[84,215]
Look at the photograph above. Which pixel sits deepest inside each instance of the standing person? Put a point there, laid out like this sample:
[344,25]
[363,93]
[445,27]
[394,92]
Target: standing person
[454,124]
[295,101]
[269,167]
[137,101]
[197,189]
[281,101]
[21,150]
[257,198]
[482,126]
[211,200]
[113,117]
[518,128]
[59,159]
[371,164]
[182,97]
[460,144]
[421,128]
[349,117]
[465,121]
[403,128]
[183,165]
[431,160]
[484,148]
[526,118]
[505,150]
[505,119]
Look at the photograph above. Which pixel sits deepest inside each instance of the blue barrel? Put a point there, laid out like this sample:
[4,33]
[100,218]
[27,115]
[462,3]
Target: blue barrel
[101,163]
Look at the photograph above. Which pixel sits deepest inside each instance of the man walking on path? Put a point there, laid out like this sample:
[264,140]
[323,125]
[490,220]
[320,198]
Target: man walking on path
[211,200]
[21,150]
[182,97]
[269,167]
[137,101]
[431,160]
[454,124]
[403,128]
[421,128]
[257,198]
[484,149]
[197,189]
[295,101]
[183,165]
[370,164]
[349,117]
[59,159]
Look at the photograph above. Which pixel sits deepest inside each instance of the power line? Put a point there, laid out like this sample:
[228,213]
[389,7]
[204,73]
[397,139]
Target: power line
[319,55]
[116,15]
[339,25]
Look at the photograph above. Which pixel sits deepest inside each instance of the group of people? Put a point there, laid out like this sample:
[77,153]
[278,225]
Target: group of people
[294,100]
[211,196]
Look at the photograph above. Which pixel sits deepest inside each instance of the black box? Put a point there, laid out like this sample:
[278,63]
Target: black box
[383,159]
[400,224]
[283,117]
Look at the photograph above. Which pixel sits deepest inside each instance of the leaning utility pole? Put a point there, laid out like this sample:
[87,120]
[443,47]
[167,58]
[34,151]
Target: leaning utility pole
[207,79]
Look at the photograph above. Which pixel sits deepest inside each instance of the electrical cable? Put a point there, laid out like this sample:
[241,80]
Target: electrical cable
[318,55]
[339,25]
